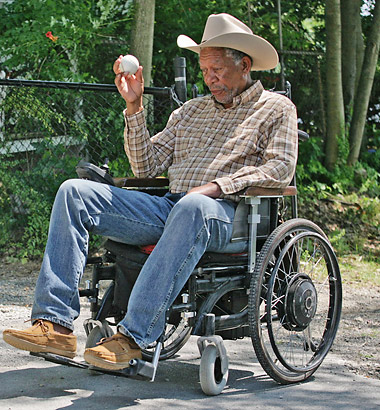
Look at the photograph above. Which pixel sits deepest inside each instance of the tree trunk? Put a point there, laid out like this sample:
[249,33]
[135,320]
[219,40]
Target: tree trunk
[359,43]
[350,14]
[142,36]
[364,88]
[334,91]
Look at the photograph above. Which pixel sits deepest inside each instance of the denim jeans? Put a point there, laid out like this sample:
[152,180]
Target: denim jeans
[183,226]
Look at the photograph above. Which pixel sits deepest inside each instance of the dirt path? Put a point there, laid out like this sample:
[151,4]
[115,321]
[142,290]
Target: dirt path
[358,338]
[357,342]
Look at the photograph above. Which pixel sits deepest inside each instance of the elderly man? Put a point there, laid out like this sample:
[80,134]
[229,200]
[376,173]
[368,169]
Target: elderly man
[212,148]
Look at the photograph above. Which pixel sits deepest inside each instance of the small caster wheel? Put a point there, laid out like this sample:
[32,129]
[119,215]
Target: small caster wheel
[211,377]
[97,333]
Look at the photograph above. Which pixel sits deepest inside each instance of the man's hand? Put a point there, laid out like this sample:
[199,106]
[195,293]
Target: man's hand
[130,87]
[212,189]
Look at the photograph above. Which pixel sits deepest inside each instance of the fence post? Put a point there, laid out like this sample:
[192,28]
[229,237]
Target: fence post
[2,98]
[180,78]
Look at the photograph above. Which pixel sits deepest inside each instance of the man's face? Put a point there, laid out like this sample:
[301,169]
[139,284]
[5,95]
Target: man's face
[223,77]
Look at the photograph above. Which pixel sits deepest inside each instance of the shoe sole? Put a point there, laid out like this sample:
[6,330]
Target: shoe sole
[104,364]
[35,348]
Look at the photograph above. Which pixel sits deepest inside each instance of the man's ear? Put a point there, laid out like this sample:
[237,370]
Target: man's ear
[246,64]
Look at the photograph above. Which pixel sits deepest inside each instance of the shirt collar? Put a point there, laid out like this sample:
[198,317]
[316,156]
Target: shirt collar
[251,94]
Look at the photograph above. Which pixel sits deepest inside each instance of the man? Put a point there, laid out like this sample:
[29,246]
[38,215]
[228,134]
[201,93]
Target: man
[212,147]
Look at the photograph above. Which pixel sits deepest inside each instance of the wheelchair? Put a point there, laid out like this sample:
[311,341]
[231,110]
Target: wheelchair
[284,292]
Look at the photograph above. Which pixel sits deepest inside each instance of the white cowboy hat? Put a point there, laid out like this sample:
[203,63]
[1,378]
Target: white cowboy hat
[224,30]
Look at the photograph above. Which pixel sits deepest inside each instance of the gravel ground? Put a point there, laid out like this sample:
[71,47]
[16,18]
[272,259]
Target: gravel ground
[357,342]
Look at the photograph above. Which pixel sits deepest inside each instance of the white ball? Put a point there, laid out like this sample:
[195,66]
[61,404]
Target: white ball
[129,64]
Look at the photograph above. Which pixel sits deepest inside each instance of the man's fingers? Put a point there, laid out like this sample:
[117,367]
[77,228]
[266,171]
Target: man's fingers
[116,65]
[118,78]
[139,74]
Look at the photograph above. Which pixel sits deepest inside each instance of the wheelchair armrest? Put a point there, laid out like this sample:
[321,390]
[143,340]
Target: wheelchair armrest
[270,192]
[252,203]
[131,182]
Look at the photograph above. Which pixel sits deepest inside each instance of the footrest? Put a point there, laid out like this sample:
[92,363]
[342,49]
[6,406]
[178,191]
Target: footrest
[55,358]
[141,368]
[137,367]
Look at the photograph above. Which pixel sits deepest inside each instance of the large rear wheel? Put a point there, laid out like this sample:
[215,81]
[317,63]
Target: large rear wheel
[295,301]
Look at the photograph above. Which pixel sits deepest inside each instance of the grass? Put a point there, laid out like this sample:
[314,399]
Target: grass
[358,271]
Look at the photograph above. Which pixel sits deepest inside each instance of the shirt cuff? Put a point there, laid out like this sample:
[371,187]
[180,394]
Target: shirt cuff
[226,185]
[134,120]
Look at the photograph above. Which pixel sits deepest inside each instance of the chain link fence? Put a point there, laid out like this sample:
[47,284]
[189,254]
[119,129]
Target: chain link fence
[40,118]
[46,128]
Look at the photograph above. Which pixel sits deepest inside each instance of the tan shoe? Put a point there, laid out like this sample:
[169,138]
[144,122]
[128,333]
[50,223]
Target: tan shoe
[42,338]
[113,353]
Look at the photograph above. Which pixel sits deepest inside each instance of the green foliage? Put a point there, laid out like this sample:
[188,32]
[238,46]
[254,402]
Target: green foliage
[37,224]
[85,39]
[369,208]
[371,154]
[30,179]
[359,271]
[354,191]
[120,167]
[314,178]
[27,110]
[339,241]
[26,198]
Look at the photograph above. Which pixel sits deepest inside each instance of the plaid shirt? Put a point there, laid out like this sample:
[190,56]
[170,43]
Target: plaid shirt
[253,143]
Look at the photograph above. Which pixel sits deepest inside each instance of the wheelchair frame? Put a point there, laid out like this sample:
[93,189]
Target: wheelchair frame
[285,293]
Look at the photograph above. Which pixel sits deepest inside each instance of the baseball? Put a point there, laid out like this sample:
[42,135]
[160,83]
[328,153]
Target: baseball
[129,64]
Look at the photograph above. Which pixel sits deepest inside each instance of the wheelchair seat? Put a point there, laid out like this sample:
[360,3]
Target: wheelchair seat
[139,254]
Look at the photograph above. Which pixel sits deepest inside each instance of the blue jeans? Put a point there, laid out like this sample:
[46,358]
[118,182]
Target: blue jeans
[183,226]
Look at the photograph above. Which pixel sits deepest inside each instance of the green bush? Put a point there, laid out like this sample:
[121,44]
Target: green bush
[313,178]
[26,198]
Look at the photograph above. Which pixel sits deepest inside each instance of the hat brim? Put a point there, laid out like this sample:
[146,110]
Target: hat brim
[263,54]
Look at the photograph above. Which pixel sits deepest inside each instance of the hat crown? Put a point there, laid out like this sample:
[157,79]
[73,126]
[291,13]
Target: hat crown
[219,24]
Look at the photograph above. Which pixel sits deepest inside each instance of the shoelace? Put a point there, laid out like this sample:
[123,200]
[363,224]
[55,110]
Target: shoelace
[113,337]
[39,322]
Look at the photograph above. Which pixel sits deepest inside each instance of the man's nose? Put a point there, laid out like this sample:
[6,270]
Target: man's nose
[210,77]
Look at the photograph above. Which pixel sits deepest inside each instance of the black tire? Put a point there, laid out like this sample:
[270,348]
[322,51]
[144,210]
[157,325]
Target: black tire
[105,305]
[97,333]
[211,377]
[176,335]
[295,301]
[218,302]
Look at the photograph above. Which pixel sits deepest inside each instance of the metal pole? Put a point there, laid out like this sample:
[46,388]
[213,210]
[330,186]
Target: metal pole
[14,82]
[281,45]
[180,78]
